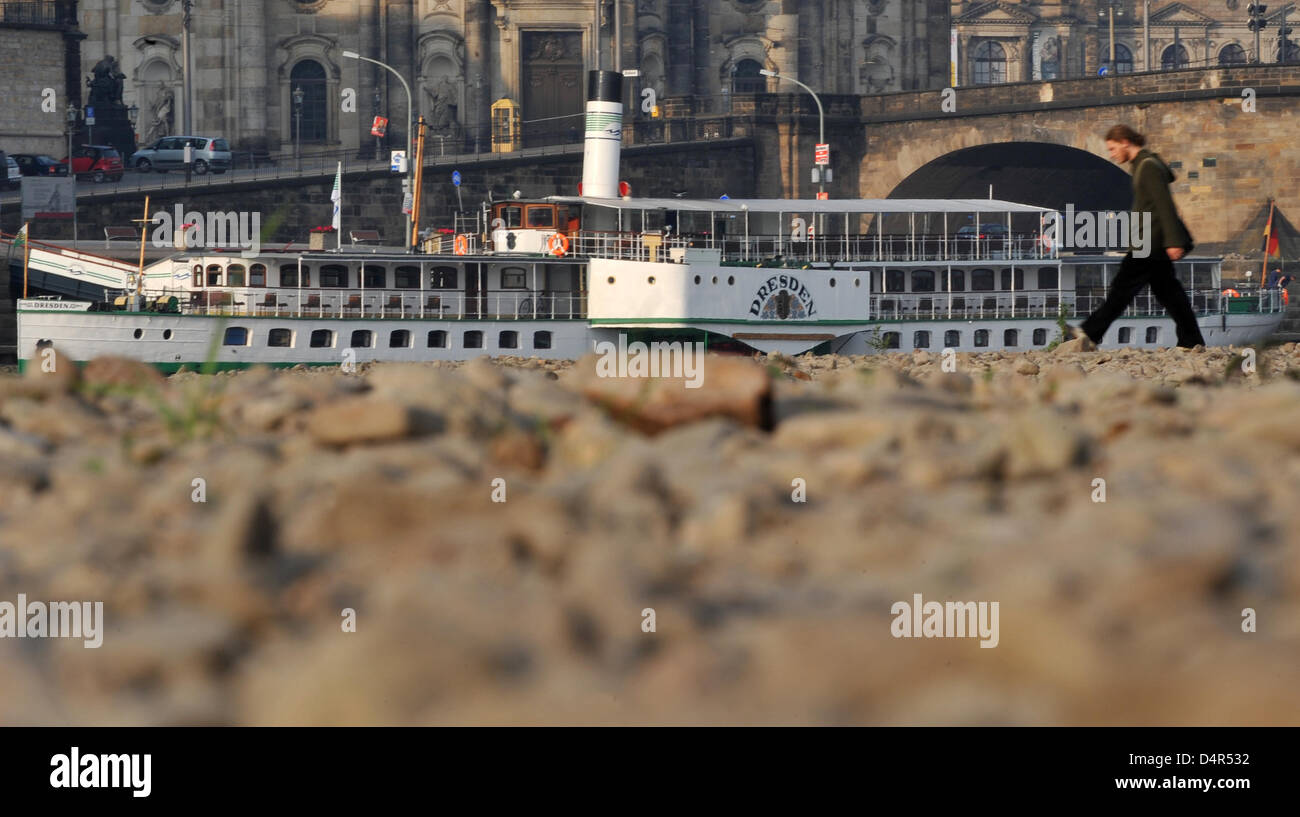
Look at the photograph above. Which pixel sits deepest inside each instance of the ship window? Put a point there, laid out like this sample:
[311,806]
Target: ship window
[443,278]
[281,338]
[895,280]
[1047,278]
[981,280]
[362,339]
[1126,334]
[922,280]
[322,339]
[437,339]
[474,339]
[235,336]
[198,276]
[1006,280]
[235,275]
[406,278]
[375,277]
[541,340]
[951,339]
[1040,337]
[921,340]
[1153,334]
[508,340]
[958,281]
[1011,337]
[513,278]
[399,339]
[333,275]
[513,216]
[257,275]
[214,275]
[289,275]
[891,340]
[981,337]
[541,215]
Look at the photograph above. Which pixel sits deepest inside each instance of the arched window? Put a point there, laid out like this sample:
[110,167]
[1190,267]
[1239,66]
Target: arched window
[375,276]
[895,280]
[333,275]
[990,64]
[443,278]
[923,280]
[958,281]
[1011,337]
[981,337]
[1047,278]
[1123,58]
[399,339]
[474,339]
[951,339]
[1040,337]
[438,339]
[746,79]
[1126,334]
[1153,334]
[508,340]
[921,340]
[280,338]
[235,336]
[257,275]
[542,340]
[981,280]
[406,278]
[289,275]
[214,275]
[322,339]
[235,275]
[362,339]
[308,123]
[1232,54]
[892,340]
[1006,280]
[1173,58]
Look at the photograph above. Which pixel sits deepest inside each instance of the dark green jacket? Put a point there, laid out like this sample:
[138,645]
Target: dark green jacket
[1151,180]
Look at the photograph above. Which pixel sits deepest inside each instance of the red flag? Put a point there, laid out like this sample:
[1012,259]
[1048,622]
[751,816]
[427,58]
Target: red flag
[1270,238]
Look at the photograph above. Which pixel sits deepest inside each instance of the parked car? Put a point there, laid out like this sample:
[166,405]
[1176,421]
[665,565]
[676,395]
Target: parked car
[33,164]
[99,162]
[13,177]
[168,153]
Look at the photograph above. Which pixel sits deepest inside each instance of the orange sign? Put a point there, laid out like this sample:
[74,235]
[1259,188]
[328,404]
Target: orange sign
[380,127]
[824,196]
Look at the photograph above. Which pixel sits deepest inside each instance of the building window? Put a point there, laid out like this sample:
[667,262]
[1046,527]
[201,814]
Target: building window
[1126,334]
[257,275]
[280,338]
[1153,334]
[474,339]
[443,278]
[375,277]
[235,275]
[921,340]
[1047,278]
[399,339]
[508,340]
[746,79]
[235,336]
[990,64]
[437,339]
[289,275]
[309,125]
[951,339]
[1174,57]
[406,278]
[981,280]
[333,275]
[958,281]
[892,340]
[1040,337]
[514,278]
[922,280]
[1011,337]
[1123,58]
[362,339]
[541,340]
[1232,54]
[322,339]
[981,337]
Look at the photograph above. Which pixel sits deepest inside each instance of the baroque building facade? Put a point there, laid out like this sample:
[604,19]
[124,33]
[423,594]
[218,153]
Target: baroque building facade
[248,57]
[1023,40]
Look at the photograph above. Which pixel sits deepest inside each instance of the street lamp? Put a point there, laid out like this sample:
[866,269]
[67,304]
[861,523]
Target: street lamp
[132,115]
[1113,8]
[410,164]
[1257,24]
[821,121]
[72,116]
[297,130]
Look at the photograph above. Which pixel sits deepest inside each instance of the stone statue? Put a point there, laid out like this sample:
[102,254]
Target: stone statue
[106,83]
[162,116]
[443,109]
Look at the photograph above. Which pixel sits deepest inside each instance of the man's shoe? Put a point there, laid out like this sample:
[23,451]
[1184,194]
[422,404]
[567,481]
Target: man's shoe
[1085,342]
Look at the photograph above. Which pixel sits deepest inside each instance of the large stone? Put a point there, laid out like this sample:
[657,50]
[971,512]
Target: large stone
[120,372]
[367,420]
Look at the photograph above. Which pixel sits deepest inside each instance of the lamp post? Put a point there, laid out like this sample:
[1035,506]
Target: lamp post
[297,128]
[187,6]
[410,165]
[1257,24]
[72,116]
[377,102]
[821,120]
[132,116]
[1112,8]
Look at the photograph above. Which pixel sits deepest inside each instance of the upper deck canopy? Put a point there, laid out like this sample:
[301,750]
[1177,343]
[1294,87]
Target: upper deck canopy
[831,206]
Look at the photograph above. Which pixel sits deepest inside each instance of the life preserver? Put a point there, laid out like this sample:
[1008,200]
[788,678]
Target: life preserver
[558,245]
[461,245]
[1231,293]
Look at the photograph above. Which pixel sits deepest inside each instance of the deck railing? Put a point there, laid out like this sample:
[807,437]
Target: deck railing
[377,303]
[1030,304]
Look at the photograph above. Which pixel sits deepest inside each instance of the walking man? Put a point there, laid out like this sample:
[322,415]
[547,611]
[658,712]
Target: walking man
[1168,242]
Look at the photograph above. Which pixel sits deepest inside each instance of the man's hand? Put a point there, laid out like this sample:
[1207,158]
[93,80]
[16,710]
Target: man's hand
[1175,253]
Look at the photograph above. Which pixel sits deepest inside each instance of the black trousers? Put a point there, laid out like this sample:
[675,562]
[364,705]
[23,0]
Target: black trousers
[1157,271]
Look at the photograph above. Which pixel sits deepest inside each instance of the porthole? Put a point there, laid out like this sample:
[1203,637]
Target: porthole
[611,279]
[167,334]
[715,279]
[731,280]
[697,279]
[650,280]
[857,282]
[832,282]
[138,333]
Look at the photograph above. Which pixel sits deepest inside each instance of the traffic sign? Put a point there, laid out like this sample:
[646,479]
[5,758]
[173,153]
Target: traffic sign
[397,161]
[455,177]
[90,115]
[823,154]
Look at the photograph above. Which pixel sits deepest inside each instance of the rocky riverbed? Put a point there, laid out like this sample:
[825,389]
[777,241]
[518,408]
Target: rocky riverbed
[522,542]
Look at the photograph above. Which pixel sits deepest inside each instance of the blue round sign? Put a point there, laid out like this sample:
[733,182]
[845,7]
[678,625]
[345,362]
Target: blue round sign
[1103,71]
[455,177]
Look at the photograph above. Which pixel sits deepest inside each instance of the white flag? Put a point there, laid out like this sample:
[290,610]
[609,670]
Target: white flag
[337,197]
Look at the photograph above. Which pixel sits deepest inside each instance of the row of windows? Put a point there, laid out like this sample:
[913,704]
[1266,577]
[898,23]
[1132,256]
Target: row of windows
[338,276]
[1010,337]
[397,339]
[981,280]
[991,60]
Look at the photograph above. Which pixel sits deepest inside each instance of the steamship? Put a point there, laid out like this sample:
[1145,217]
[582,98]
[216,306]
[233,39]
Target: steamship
[552,277]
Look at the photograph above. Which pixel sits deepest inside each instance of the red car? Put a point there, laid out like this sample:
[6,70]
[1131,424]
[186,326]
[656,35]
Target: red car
[99,162]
